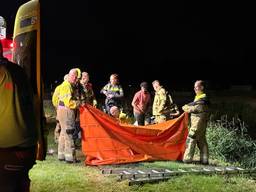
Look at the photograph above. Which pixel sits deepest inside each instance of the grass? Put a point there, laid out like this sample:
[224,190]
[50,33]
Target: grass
[52,175]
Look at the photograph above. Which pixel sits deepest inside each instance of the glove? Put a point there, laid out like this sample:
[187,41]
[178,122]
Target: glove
[185,107]
[94,103]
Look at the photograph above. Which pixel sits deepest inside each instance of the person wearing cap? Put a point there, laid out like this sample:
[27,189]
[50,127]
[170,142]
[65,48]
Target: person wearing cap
[140,103]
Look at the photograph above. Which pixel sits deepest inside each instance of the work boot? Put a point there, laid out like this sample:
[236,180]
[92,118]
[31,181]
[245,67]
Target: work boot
[204,162]
[74,161]
[188,161]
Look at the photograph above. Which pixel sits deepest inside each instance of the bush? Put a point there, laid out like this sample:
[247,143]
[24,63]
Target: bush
[228,141]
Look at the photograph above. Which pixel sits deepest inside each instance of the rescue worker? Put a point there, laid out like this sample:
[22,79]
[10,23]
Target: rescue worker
[66,114]
[18,130]
[113,92]
[118,114]
[161,104]
[141,102]
[55,102]
[199,110]
[86,92]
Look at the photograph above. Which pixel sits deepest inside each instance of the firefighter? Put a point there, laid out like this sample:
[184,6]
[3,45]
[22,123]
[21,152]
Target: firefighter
[161,104]
[18,130]
[199,110]
[86,92]
[113,92]
[55,102]
[66,115]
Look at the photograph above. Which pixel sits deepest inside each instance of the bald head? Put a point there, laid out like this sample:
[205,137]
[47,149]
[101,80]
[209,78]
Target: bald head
[199,86]
[114,111]
[72,76]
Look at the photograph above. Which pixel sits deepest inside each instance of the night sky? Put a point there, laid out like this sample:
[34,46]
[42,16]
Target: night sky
[174,41]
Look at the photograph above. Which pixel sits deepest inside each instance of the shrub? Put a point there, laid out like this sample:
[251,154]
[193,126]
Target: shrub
[228,140]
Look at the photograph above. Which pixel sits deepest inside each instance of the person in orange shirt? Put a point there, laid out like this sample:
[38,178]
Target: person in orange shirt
[141,102]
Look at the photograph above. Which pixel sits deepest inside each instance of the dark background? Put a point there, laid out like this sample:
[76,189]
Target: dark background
[175,42]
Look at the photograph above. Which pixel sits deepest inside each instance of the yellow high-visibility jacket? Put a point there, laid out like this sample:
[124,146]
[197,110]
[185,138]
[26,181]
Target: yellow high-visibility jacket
[66,92]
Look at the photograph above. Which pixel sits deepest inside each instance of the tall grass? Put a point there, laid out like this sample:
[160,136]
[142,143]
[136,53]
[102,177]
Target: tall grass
[229,141]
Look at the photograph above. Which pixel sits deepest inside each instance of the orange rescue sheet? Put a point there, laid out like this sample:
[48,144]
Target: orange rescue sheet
[106,141]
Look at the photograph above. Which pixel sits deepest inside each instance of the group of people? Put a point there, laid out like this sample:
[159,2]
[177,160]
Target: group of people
[18,151]
[76,90]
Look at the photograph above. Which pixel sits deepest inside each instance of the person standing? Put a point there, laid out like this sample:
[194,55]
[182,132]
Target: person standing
[162,103]
[199,110]
[113,92]
[18,130]
[86,92]
[66,115]
[141,102]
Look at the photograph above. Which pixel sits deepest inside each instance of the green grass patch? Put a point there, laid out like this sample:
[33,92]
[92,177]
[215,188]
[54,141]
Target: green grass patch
[52,175]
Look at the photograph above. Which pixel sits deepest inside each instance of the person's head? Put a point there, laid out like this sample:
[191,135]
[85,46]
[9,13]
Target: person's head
[72,76]
[65,78]
[144,86]
[156,85]
[85,78]
[1,50]
[199,86]
[114,111]
[114,79]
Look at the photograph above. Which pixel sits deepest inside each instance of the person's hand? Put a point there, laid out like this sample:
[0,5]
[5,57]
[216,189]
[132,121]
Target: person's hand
[110,96]
[184,108]
[78,103]
[94,103]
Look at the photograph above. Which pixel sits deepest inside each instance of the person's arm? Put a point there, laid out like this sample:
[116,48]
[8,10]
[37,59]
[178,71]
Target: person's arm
[104,90]
[66,92]
[55,97]
[135,101]
[163,98]
[197,108]
[120,93]
[176,111]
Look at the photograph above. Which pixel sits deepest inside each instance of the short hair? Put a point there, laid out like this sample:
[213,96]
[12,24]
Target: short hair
[115,75]
[144,85]
[201,83]
[85,73]
[156,81]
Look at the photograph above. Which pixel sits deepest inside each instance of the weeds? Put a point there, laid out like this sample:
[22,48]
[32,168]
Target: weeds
[229,141]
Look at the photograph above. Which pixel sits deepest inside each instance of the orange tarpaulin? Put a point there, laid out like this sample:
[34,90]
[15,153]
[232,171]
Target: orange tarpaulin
[106,141]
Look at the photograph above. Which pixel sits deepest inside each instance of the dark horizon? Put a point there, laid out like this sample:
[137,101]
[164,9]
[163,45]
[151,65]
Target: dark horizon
[175,42]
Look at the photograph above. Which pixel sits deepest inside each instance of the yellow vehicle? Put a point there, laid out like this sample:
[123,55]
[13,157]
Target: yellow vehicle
[26,53]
